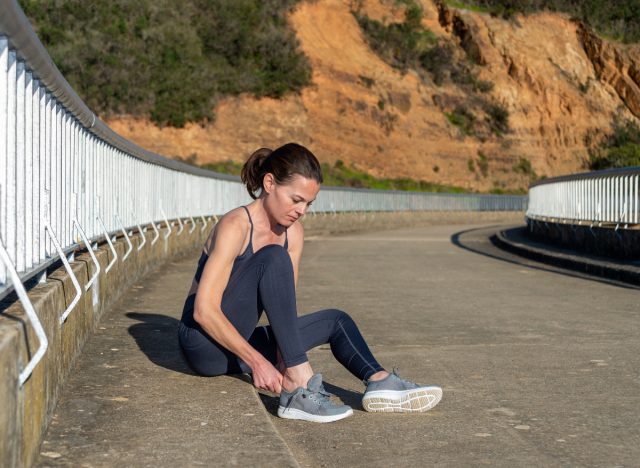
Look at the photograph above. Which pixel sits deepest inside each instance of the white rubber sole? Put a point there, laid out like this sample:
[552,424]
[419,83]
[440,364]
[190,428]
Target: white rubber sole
[293,413]
[417,400]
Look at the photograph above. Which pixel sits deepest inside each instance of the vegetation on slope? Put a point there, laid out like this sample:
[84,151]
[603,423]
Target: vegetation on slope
[617,19]
[621,149]
[410,46]
[340,175]
[168,60]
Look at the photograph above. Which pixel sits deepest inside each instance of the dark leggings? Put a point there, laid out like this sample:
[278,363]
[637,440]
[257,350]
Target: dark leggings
[265,282]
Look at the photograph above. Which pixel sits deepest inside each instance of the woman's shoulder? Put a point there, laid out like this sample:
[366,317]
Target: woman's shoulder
[233,226]
[236,217]
[295,235]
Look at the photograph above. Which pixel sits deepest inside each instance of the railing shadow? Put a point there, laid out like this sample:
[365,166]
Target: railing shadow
[488,248]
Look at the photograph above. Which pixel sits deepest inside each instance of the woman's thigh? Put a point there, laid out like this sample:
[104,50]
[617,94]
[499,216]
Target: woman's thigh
[204,355]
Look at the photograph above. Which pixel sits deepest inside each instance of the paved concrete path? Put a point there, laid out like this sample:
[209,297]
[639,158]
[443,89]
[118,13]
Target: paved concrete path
[539,367]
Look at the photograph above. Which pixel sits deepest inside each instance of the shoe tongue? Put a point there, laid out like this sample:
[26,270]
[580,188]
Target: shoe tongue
[315,383]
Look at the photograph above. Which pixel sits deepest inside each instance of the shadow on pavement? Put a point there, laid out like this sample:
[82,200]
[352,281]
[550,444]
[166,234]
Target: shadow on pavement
[157,337]
[482,241]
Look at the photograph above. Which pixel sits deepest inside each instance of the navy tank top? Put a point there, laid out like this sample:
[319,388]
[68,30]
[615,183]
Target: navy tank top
[238,265]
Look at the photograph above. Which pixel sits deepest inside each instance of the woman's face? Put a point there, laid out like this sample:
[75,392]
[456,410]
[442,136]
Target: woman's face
[286,203]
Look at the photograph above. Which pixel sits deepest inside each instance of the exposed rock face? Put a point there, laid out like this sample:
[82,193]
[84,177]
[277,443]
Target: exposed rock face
[560,83]
[617,66]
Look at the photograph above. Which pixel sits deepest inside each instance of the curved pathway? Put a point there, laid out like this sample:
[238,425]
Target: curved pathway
[538,366]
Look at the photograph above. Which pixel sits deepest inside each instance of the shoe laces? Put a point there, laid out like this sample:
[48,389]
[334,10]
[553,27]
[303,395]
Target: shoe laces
[321,397]
[407,383]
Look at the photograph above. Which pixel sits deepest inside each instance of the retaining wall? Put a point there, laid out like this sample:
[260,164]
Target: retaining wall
[604,241]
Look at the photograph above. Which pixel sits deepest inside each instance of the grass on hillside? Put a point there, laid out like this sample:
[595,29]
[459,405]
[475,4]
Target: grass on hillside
[340,175]
[343,176]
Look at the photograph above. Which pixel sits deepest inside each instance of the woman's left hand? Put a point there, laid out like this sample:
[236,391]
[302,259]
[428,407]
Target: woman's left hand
[267,377]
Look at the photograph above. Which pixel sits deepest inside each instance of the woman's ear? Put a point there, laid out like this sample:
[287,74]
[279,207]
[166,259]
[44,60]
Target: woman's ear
[268,182]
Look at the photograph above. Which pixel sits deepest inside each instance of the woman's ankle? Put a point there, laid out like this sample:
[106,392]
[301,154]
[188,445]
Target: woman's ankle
[380,375]
[296,376]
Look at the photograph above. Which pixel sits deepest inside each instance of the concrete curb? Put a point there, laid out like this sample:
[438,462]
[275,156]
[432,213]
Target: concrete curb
[515,240]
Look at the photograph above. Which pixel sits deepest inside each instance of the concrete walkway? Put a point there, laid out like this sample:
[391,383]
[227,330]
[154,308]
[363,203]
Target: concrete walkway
[539,367]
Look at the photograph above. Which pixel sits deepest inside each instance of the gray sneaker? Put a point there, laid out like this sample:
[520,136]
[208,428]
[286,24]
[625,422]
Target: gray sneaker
[395,395]
[311,404]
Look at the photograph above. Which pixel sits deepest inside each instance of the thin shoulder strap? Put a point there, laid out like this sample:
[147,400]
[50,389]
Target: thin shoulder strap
[286,239]
[251,222]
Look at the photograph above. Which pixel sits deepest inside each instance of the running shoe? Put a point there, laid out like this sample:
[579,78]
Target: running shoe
[311,404]
[395,395]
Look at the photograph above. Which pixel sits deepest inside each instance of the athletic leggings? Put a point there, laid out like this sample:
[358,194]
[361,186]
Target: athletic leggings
[265,282]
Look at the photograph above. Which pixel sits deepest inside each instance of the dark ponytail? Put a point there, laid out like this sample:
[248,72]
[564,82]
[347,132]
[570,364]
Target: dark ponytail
[283,163]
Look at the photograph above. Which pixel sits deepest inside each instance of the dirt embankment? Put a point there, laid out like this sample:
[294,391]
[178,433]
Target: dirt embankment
[560,84]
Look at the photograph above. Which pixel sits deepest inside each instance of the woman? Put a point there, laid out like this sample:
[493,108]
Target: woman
[250,264]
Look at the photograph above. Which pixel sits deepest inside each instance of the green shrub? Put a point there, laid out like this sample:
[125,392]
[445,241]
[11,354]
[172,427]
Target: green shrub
[152,58]
[619,20]
[483,163]
[621,149]
[523,166]
[367,81]
[497,116]
[399,44]
[471,165]
[462,119]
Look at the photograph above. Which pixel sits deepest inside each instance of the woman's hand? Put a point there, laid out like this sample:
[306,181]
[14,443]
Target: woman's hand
[267,377]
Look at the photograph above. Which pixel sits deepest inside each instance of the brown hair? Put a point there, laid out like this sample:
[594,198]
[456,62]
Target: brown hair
[283,163]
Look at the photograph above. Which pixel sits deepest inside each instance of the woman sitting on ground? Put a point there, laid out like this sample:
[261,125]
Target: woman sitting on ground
[250,264]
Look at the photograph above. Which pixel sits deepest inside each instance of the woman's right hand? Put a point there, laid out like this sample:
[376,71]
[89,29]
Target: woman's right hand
[267,377]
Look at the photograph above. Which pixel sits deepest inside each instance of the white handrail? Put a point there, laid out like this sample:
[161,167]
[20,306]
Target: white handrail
[602,197]
[31,313]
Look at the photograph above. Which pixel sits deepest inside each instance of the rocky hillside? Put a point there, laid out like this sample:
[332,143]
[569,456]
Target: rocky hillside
[561,85]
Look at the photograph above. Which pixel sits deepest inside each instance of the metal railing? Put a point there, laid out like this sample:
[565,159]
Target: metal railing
[607,197]
[68,181]
[349,199]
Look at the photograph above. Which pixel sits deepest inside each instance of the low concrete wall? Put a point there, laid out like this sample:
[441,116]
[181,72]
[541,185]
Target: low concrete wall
[325,224]
[25,412]
[603,241]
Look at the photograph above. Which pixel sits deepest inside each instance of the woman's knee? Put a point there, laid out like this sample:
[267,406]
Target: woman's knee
[274,256]
[272,251]
[339,317]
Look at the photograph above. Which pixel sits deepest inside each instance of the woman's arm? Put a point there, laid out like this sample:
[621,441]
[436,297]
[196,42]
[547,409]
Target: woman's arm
[296,243]
[229,239]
